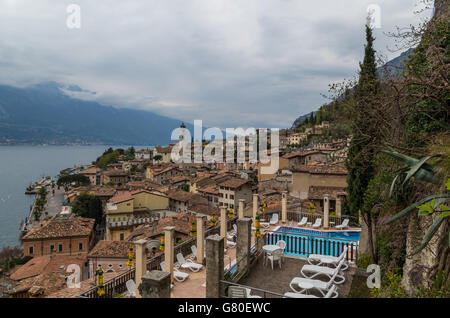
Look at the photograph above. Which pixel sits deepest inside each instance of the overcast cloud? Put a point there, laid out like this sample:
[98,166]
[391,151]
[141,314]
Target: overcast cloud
[228,62]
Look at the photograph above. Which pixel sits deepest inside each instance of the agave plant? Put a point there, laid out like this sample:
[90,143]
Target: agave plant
[419,169]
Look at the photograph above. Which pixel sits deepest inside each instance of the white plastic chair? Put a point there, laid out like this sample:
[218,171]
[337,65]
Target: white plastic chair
[318,223]
[282,245]
[189,264]
[275,256]
[274,219]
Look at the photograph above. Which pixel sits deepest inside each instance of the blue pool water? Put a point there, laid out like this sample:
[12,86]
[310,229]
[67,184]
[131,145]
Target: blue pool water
[338,235]
[301,242]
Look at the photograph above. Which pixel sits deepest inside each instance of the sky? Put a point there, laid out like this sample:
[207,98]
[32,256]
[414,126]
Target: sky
[230,63]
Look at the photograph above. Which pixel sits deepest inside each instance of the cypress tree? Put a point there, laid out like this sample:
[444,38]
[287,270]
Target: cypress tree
[360,160]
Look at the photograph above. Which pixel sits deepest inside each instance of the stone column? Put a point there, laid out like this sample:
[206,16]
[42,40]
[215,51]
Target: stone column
[338,205]
[255,206]
[326,210]
[241,208]
[169,250]
[284,207]
[200,238]
[244,241]
[141,262]
[155,284]
[223,222]
[214,266]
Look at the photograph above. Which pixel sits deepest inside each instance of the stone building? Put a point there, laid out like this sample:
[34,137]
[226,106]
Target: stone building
[63,235]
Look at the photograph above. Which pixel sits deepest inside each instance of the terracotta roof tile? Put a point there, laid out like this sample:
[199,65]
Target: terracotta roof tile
[233,183]
[74,226]
[121,196]
[180,195]
[110,249]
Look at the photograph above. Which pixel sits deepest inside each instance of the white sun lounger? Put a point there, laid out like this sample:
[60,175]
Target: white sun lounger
[321,286]
[177,275]
[131,288]
[195,267]
[312,271]
[344,225]
[332,293]
[232,233]
[264,224]
[325,260]
[303,221]
[249,295]
[318,223]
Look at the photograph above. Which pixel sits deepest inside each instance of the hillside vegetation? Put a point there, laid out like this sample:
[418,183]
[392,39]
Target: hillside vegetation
[399,160]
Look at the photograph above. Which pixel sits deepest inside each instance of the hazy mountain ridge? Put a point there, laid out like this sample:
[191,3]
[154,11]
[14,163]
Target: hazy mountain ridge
[43,113]
[392,68]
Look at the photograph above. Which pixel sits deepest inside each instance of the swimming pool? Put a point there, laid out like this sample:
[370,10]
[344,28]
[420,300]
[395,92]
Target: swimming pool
[338,235]
[302,242]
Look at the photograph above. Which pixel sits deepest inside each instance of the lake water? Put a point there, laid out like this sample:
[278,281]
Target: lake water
[23,165]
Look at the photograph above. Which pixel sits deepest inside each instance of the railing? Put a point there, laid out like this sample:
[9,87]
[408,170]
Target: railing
[117,285]
[239,270]
[311,217]
[185,247]
[112,287]
[265,293]
[305,244]
[216,229]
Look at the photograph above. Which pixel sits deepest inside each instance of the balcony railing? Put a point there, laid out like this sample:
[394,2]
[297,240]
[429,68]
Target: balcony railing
[305,244]
[117,284]
[296,217]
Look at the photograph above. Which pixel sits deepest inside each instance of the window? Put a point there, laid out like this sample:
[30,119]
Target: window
[60,247]
[80,246]
[31,250]
[122,236]
[52,247]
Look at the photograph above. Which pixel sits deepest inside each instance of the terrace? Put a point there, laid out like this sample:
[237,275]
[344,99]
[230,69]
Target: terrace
[254,274]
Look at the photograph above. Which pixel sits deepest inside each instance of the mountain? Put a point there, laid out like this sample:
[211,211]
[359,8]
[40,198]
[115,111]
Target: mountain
[392,68]
[302,118]
[44,113]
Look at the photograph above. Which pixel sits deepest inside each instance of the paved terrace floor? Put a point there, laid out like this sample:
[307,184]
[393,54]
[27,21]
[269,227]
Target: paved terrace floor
[194,285]
[277,280]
